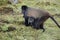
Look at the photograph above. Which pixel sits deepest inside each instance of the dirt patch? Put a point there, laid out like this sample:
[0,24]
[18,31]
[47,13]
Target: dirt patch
[6,10]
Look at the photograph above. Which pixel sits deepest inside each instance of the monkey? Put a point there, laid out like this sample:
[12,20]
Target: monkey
[39,15]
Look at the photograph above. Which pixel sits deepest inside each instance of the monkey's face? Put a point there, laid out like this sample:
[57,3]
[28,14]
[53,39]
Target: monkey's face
[24,7]
[24,10]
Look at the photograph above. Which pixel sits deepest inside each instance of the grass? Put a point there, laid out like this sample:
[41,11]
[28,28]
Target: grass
[28,33]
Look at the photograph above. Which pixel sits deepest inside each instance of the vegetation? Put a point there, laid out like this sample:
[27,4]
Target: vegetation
[22,32]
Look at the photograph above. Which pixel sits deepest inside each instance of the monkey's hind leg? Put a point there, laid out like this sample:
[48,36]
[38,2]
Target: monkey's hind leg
[41,27]
[36,26]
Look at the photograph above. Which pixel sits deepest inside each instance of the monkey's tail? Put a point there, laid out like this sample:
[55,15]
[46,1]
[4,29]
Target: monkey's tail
[55,21]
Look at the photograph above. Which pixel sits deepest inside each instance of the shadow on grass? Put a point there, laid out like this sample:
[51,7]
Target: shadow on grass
[4,21]
[9,29]
[18,22]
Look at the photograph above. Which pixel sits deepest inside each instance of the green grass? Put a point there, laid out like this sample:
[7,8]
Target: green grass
[28,33]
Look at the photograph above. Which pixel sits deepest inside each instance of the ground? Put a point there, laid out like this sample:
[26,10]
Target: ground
[22,32]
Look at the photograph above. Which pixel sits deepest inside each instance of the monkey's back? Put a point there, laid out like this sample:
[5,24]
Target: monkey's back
[36,13]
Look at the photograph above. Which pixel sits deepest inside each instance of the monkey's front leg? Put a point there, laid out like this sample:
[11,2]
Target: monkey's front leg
[26,22]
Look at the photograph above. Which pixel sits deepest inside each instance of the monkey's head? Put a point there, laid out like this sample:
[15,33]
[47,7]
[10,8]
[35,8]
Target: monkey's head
[24,7]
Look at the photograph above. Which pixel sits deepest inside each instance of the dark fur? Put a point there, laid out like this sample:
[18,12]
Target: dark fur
[31,20]
[39,17]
